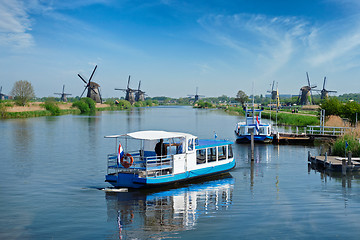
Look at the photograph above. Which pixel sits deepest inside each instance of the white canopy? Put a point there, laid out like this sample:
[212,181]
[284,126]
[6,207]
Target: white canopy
[153,135]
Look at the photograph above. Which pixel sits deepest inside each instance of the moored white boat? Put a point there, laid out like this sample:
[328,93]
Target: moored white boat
[135,164]
[262,132]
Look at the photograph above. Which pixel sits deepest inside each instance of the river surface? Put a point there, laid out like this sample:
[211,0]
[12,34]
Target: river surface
[52,168]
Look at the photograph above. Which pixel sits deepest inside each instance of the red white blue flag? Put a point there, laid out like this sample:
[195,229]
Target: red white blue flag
[120,154]
[257,123]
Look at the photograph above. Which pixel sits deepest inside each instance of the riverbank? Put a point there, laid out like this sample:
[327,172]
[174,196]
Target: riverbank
[37,109]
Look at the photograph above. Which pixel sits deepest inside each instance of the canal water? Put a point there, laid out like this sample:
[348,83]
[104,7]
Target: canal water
[52,168]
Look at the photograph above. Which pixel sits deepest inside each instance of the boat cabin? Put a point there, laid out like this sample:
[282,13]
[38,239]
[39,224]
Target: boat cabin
[179,154]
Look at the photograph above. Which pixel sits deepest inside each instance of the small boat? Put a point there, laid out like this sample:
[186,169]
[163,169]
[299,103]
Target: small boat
[262,132]
[155,158]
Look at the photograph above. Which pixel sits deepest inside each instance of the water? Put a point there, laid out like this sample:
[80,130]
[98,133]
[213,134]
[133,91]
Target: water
[52,167]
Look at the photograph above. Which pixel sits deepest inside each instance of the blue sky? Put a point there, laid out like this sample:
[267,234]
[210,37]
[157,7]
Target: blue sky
[175,46]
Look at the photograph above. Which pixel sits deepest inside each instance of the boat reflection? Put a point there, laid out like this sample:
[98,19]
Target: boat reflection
[148,213]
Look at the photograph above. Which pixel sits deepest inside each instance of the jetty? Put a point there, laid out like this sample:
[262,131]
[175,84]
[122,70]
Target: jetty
[335,163]
[309,134]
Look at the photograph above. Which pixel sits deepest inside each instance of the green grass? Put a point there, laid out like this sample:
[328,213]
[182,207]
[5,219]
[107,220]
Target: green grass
[338,148]
[40,113]
[292,119]
[237,110]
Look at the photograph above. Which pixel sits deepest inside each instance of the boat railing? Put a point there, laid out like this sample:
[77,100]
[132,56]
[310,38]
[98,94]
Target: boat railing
[150,166]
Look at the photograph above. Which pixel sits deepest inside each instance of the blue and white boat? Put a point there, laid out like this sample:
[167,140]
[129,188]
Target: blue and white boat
[262,132]
[134,164]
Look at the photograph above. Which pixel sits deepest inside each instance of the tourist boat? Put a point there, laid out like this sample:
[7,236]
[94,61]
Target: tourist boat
[135,164]
[262,132]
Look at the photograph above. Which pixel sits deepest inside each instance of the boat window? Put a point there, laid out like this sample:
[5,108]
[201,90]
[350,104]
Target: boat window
[230,152]
[262,130]
[191,144]
[242,131]
[222,153]
[211,154]
[201,156]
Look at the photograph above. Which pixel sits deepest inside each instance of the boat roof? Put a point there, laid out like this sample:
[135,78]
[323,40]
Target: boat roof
[206,143]
[153,135]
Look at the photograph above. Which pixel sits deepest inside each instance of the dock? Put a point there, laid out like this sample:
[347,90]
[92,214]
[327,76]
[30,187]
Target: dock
[335,163]
[309,134]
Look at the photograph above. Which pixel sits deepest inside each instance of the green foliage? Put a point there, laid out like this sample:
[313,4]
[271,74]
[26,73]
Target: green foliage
[52,107]
[2,110]
[82,106]
[332,106]
[123,104]
[22,91]
[353,146]
[85,105]
[238,110]
[292,119]
[202,104]
[241,97]
[348,110]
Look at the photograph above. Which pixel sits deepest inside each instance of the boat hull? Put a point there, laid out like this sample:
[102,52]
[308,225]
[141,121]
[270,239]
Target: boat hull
[257,138]
[128,180]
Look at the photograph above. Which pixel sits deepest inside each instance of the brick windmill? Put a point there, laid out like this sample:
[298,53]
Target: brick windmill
[93,89]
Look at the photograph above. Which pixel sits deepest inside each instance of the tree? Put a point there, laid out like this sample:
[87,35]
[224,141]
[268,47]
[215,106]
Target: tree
[22,92]
[241,97]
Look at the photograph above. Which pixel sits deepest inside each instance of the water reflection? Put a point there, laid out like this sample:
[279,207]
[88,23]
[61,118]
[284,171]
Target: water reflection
[22,147]
[142,214]
[326,175]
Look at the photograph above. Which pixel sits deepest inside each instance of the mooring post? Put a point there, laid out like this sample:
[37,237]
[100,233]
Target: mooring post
[252,146]
[349,158]
[343,170]
[325,160]
[309,156]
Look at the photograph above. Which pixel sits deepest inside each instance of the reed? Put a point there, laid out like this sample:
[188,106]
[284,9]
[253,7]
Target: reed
[352,139]
[292,119]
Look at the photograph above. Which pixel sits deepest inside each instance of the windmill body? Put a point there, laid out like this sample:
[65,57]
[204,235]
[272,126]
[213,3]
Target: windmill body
[129,93]
[196,96]
[93,92]
[139,95]
[93,88]
[325,92]
[305,95]
[2,96]
[63,95]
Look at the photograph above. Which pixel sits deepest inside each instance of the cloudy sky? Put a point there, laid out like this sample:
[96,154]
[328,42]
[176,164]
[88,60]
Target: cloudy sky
[175,46]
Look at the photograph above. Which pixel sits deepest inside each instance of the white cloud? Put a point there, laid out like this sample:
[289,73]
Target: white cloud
[268,42]
[15,25]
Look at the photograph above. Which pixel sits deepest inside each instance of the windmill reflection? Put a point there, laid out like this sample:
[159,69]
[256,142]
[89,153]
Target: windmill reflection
[143,213]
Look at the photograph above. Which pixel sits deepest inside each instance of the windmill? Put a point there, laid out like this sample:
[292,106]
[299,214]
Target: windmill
[63,95]
[2,96]
[196,96]
[139,95]
[93,89]
[274,94]
[305,95]
[324,92]
[129,92]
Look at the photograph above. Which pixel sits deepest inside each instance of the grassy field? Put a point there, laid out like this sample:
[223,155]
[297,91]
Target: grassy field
[292,119]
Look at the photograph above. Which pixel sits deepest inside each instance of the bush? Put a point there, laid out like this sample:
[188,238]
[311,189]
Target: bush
[82,106]
[2,110]
[52,107]
[353,146]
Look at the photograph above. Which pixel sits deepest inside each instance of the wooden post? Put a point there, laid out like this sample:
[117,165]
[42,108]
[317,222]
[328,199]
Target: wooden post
[343,169]
[325,160]
[309,156]
[252,146]
[349,158]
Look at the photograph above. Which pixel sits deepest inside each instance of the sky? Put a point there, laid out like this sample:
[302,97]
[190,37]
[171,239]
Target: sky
[174,46]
